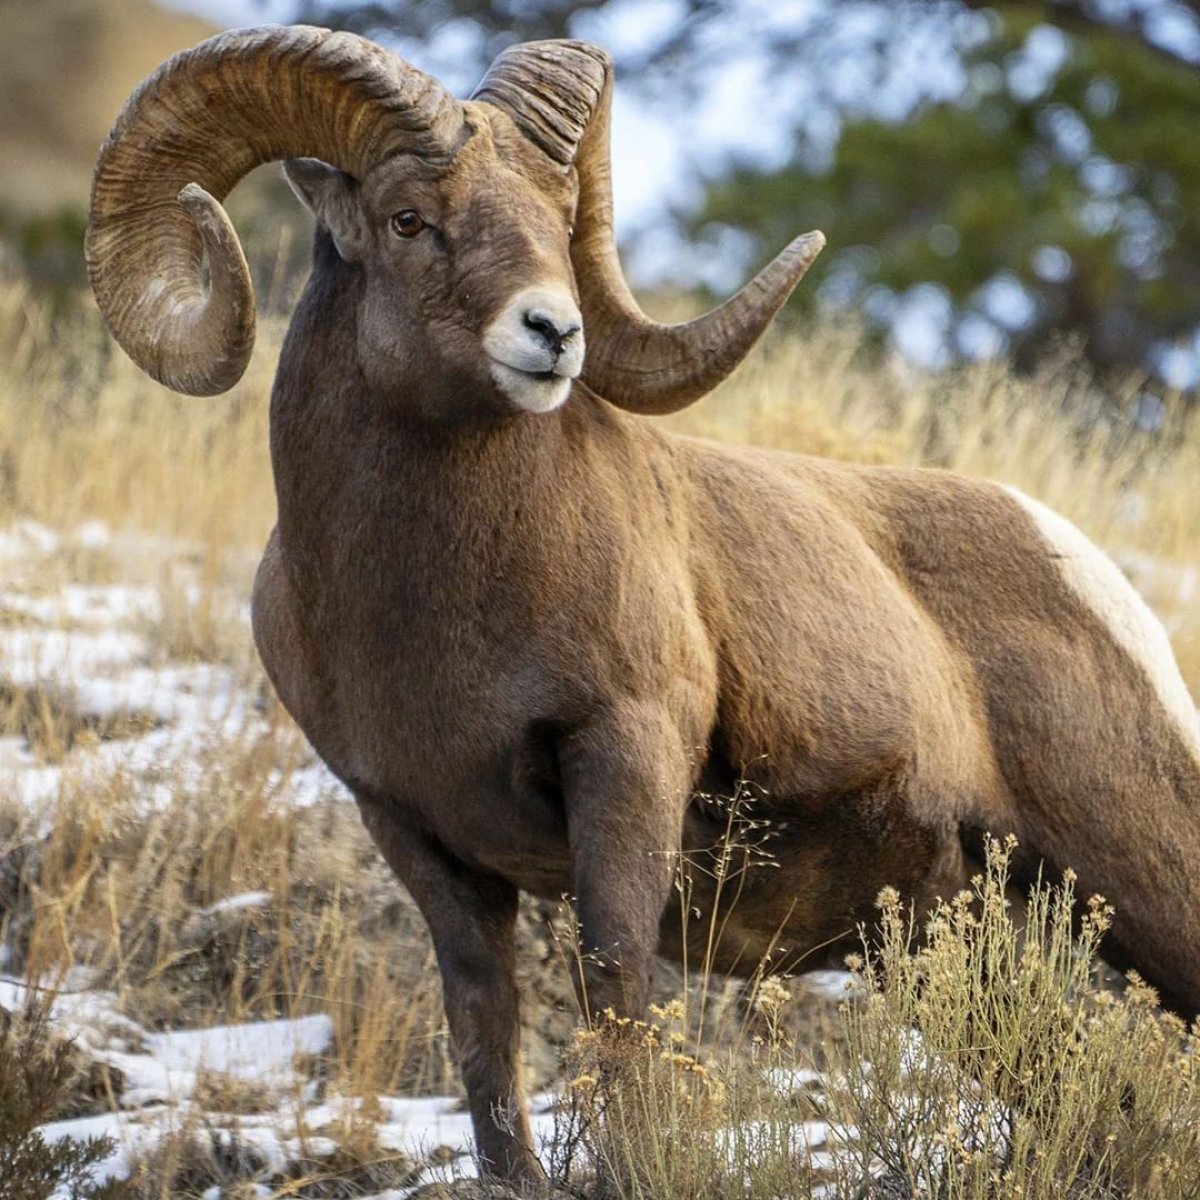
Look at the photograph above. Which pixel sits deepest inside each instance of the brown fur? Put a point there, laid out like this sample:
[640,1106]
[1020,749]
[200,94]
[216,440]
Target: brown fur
[533,644]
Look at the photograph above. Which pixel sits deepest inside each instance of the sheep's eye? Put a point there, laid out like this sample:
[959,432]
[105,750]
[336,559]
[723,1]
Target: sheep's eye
[570,232]
[407,223]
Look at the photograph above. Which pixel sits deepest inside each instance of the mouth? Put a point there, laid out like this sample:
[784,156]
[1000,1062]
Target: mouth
[545,376]
[535,391]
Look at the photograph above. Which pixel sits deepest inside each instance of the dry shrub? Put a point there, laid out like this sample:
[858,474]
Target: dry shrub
[631,1083]
[983,1059]
[39,1079]
[703,1100]
[643,1118]
[989,1063]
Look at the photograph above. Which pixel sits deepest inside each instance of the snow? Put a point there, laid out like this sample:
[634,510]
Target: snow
[134,1137]
[314,784]
[161,1071]
[793,1079]
[833,985]
[89,649]
[92,535]
[23,538]
[237,903]
[262,1051]
[23,777]
[87,604]
[35,656]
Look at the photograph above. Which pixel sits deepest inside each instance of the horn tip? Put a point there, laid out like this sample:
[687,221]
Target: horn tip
[808,245]
[190,194]
[197,201]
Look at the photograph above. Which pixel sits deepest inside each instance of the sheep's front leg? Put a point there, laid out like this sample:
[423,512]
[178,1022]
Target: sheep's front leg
[472,919]
[625,782]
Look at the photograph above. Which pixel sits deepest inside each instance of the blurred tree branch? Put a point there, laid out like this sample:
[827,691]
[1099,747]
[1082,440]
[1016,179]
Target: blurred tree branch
[502,22]
[1136,19]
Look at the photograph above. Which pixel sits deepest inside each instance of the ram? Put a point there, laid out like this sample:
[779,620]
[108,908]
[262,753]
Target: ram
[534,633]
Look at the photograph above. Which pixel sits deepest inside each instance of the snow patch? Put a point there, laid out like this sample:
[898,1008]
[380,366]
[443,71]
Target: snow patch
[237,903]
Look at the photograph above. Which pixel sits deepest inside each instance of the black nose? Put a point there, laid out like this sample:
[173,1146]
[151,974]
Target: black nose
[553,334]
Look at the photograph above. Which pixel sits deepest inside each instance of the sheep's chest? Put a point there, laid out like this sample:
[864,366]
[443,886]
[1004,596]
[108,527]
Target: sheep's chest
[437,714]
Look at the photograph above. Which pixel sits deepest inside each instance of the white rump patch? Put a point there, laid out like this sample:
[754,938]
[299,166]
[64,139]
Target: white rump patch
[1101,585]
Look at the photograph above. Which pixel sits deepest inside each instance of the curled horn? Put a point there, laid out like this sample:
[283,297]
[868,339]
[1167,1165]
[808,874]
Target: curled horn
[165,263]
[560,95]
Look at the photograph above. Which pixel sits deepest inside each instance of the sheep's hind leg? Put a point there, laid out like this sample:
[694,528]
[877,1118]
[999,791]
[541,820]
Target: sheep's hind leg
[472,918]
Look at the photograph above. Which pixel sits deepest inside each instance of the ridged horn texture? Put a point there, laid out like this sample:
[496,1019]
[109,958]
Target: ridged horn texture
[560,96]
[550,89]
[165,263]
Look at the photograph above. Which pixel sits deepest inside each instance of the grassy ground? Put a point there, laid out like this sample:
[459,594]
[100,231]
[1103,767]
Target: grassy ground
[118,862]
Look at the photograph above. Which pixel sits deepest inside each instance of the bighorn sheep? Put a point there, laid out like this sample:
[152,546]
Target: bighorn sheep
[530,630]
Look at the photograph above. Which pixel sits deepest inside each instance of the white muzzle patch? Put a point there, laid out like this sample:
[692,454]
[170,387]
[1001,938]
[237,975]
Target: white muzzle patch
[536,347]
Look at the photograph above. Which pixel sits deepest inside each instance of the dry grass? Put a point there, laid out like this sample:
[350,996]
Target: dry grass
[196,1158]
[52,724]
[97,877]
[129,894]
[85,436]
[981,1060]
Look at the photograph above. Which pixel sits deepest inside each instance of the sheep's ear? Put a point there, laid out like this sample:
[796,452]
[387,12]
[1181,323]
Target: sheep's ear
[332,197]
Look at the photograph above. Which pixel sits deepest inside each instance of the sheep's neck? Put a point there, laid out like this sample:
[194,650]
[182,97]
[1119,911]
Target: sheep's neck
[409,511]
